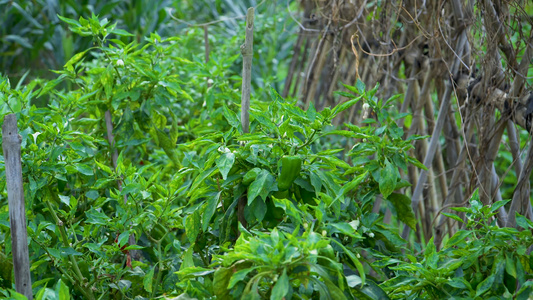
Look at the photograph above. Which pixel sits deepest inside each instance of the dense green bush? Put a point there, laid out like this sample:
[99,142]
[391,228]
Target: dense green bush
[183,202]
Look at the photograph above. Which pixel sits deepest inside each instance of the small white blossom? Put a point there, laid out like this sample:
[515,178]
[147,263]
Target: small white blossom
[210,81]
[324,233]
[358,255]
[371,234]
[366,110]
[120,63]
[354,224]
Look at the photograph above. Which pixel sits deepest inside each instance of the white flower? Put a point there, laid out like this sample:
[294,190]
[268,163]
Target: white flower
[210,81]
[358,255]
[354,224]
[366,110]
[371,234]
[120,63]
[324,233]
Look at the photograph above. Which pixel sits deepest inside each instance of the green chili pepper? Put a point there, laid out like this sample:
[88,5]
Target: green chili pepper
[290,170]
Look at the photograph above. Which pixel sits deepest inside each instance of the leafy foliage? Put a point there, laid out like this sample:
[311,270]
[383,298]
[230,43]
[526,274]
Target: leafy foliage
[140,182]
[480,261]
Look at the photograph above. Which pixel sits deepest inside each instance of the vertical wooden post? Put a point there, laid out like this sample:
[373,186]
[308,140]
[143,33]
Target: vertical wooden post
[247,55]
[11,141]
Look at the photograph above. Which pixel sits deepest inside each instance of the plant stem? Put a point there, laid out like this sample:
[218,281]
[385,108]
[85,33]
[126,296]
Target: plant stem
[79,277]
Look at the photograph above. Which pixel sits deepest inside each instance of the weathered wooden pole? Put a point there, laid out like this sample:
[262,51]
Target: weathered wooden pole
[247,55]
[11,141]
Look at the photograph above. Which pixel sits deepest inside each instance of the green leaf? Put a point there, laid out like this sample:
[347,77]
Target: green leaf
[281,288]
[220,283]
[416,163]
[259,209]
[147,281]
[96,217]
[64,293]
[74,59]
[132,188]
[387,179]
[70,22]
[103,167]
[230,116]
[355,261]
[192,226]
[458,237]
[453,216]
[121,32]
[510,266]
[345,228]
[460,209]
[354,183]
[311,112]
[344,106]
[360,86]
[523,221]
[210,208]
[239,276]
[405,213]
[457,283]
[263,184]
[123,238]
[485,285]
[315,182]
[225,162]
[344,94]
[85,169]
[496,205]
[65,199]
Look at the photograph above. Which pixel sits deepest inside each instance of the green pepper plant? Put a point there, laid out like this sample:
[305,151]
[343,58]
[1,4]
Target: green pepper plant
[288,179]
[480,261]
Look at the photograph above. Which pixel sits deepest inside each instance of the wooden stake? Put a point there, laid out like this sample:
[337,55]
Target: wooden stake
[11,141]
[247,55]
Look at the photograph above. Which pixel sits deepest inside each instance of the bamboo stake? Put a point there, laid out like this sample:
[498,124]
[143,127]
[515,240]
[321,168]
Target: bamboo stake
[443,111]
[521,202]
[294,63]
[11,141]
[301,66]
